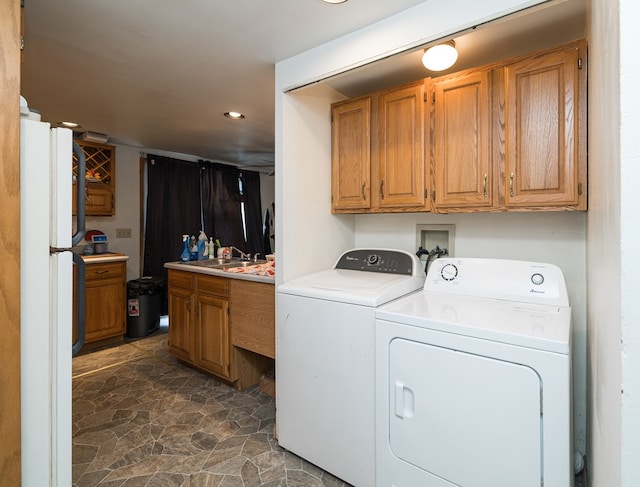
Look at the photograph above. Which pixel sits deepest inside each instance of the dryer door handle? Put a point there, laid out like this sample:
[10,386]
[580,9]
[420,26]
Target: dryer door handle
[404,400]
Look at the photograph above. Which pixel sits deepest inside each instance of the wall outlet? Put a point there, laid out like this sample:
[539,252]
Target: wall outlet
[430,236]
[123,233]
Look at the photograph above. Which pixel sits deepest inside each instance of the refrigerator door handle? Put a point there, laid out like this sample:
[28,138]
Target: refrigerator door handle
[80,195]
[80,303]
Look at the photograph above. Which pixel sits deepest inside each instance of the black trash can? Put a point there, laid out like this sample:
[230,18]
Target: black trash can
[144,297]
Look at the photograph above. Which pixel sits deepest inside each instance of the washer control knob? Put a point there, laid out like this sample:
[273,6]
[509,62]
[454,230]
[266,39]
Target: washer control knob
[373,259]
[537,278]
[449,272]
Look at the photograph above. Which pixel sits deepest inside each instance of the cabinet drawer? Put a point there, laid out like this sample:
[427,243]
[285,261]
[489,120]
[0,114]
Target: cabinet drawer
[104,270]
[180,279]
[213,285]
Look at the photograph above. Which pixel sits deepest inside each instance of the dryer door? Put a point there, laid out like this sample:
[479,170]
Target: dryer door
[468,419]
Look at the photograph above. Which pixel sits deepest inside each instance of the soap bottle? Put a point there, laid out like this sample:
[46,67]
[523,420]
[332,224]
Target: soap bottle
[185,255]
[212,250]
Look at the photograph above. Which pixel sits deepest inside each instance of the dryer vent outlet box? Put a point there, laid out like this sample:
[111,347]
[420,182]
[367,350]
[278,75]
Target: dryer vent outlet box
[430,236]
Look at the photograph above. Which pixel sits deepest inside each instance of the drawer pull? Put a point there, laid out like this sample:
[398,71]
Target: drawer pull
[101,272]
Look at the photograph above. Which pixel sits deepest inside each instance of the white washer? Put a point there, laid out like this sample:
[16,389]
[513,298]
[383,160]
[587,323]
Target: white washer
[474,379]
[325,397]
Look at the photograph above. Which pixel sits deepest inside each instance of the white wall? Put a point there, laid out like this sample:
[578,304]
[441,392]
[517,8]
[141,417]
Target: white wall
[630,238]
[604,248]
[613,242]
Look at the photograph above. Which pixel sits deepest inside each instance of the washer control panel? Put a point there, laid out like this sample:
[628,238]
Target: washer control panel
[378,260]
[511,280]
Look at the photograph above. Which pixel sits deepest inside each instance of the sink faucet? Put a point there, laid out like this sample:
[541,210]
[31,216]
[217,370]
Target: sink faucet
[243,256]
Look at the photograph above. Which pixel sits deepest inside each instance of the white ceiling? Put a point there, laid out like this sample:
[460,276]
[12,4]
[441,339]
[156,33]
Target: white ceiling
[159,74]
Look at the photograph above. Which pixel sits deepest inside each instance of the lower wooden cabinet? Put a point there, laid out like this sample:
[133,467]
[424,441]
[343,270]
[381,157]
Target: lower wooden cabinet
[105,300]
[253,317]
[200,328]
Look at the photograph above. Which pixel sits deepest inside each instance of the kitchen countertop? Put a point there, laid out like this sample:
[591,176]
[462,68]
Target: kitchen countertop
[106,257]
[185,266]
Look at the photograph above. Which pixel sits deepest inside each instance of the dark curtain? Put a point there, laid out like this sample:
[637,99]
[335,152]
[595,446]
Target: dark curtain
[253,212]
[173,209]
[221,204]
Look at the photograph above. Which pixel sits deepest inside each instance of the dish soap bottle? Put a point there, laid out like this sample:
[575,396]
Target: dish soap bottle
[212,250]
[185,255]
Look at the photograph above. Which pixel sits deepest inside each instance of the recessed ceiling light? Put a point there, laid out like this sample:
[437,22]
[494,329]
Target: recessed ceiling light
[334,1]
[69,125]
[234,115]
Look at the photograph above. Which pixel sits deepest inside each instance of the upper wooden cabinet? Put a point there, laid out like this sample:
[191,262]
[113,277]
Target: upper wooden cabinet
[461,140]
[398,163]
[378,152]
[543,138]
[100,178]
[350,154]
[509,136]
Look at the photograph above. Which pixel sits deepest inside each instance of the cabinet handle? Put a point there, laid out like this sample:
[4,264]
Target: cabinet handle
[511,185]
[101,272]
[364,197]
[484,185]
[189,306]
[382,189]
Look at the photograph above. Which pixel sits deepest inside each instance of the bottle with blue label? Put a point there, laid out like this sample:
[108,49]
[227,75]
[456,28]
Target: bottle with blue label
[185,255]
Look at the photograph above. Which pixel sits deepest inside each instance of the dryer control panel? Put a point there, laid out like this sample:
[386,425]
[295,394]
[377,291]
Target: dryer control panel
[380,260]
[511,280]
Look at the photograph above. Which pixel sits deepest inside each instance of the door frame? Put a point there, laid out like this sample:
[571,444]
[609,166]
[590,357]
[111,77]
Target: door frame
[10,31]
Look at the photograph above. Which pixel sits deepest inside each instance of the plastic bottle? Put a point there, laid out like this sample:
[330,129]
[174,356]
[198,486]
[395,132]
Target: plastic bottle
[185,255]
[193,248]
[212,250]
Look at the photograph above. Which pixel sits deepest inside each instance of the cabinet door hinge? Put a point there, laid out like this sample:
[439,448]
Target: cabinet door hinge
[580,189]
[22,43]
[579,63]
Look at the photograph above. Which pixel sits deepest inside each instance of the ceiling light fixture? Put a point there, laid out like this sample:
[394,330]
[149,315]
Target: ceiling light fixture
[440,57]
[334,1]
[69,125]
[234,115]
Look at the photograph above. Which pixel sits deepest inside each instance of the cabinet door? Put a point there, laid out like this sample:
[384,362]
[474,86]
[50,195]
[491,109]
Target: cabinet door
[211,335]
[105,308]
[350,154]
[542,132]
[179,301]
[100,162]
[461,134]
[400,155]
[252,316]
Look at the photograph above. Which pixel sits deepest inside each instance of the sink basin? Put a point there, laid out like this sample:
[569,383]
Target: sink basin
[222,263]
[244,263]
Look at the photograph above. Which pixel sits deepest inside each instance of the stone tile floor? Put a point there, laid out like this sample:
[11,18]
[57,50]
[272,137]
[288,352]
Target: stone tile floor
[140,418]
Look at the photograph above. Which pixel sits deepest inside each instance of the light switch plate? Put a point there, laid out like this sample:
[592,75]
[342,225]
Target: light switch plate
[123,233]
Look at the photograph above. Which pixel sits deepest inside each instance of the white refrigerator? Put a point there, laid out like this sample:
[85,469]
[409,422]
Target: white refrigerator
[46,299]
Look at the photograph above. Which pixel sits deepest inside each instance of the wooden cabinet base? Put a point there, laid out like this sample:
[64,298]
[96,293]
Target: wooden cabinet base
[213,328]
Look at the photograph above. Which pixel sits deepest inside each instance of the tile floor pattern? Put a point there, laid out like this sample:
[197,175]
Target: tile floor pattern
[140,418]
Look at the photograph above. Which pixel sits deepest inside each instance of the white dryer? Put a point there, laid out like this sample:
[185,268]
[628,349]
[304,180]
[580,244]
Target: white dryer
[474,379]
[325,384]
